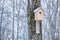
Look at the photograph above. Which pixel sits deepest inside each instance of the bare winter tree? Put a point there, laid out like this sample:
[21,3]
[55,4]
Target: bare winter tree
[51,16]
[13,20]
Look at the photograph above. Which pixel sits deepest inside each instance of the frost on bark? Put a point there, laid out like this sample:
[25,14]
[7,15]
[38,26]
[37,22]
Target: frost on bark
[6,20]
[23,22]
[51,19]
[13,20]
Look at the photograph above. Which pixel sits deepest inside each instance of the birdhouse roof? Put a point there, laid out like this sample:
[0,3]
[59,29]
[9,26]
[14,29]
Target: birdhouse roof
[36,10]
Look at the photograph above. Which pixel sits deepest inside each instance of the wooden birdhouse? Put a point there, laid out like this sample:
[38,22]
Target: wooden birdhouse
[38,13]
[38,17]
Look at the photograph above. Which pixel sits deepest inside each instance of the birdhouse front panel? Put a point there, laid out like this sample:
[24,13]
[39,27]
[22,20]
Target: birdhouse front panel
[39,15]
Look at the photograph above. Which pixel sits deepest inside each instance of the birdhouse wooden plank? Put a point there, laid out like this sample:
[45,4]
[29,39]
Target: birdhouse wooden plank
[38,13]
[37,26]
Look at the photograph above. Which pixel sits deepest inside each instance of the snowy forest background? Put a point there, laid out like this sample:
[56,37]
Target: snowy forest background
[14,19]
